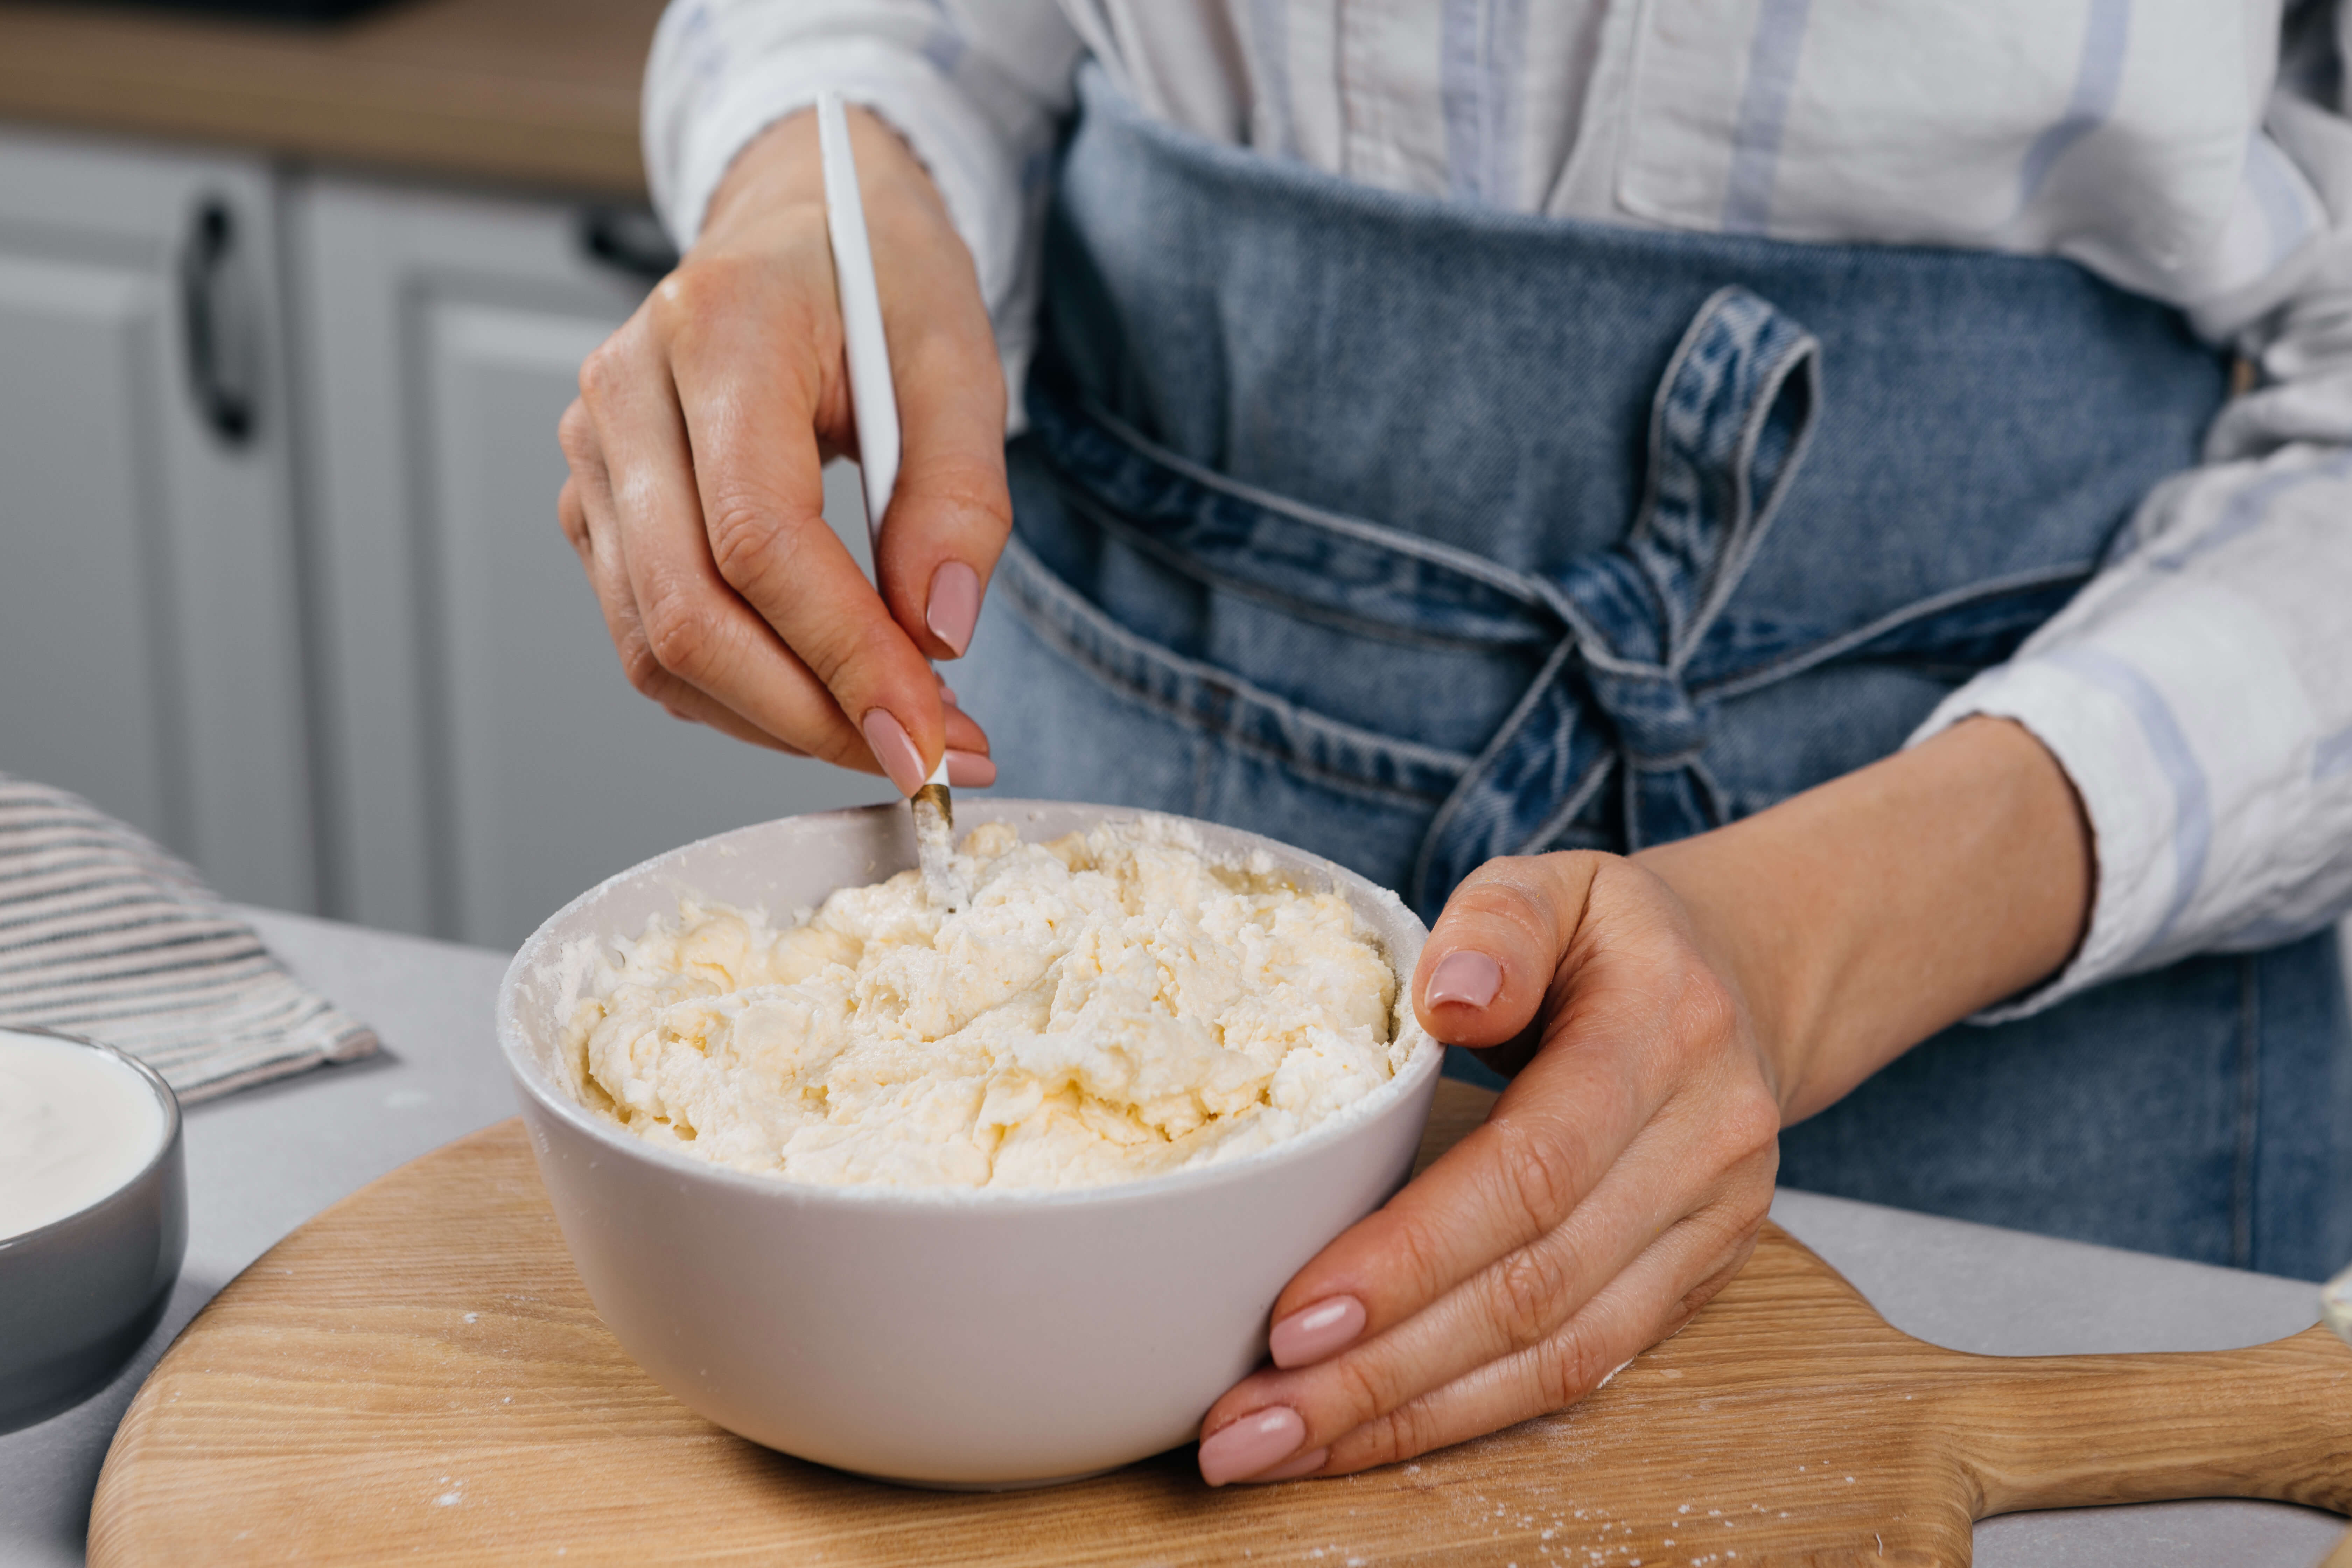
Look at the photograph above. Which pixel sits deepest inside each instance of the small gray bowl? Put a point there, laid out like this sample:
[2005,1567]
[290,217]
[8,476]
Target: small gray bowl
[80,1295]
[938,1336]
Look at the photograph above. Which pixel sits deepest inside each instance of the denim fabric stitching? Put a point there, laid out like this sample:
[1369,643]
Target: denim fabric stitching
[1802,354]
[1522,586]
[1654,594]
[1593,649]
[1801,358]
[1533,592]
[1176,559]
[1053,610]
[1216,715]
[1066,610]
[1710,798]
[1505,735]
[1554,827]
[1857,642]
[1657,589]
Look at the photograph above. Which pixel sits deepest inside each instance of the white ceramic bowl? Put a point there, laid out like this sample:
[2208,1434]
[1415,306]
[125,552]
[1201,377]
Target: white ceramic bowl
[80,1295]
[945,1338]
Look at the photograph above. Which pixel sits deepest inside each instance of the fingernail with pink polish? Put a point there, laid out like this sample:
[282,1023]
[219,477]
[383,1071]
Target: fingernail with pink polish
[955,607]
[1313,1332]
[970,770]
[1305,1463]
[1469,978]
[1258,1441]
[889,740]
[947,694]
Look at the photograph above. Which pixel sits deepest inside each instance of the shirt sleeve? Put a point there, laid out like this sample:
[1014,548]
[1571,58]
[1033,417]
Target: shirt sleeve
[976,87]
[2198,690]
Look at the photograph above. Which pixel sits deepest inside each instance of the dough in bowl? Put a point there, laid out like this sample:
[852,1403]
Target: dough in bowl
[1110,1005]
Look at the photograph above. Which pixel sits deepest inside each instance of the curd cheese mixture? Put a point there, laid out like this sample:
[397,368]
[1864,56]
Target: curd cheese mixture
[1111,1004]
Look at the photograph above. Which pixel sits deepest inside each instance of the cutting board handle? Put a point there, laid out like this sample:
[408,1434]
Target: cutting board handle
[2270,1421]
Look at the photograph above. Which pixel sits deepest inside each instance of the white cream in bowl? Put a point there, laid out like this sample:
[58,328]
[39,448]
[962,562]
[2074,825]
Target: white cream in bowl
[76,1125]
[941,1333]
[1109,1005]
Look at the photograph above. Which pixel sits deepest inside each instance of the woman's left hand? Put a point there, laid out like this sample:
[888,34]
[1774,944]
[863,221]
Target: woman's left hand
[1617,1187]
[1666,1016]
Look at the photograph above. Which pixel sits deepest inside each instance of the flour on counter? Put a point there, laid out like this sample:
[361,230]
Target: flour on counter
[1108,1005]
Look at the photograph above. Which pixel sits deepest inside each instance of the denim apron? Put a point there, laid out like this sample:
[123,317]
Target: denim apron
[1415,533]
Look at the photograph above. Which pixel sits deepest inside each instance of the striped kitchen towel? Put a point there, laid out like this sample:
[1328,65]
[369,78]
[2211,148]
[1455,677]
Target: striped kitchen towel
[104,934]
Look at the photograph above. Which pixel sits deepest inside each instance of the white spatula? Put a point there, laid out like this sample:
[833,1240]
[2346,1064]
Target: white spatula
[874,402]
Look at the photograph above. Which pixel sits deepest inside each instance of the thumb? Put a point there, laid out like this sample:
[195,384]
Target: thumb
[1496,950]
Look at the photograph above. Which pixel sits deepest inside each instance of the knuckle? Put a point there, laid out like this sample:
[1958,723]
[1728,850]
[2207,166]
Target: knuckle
[696,289]
[1703,1008]
[576,431]
[1577,868]
[842,643]
[1363,1391]
[1397,1435]
[970,488]
[1707,1289]
[1420,1255]
[644,672]
[571,516]
[1538,1175]
[747,544]
[706,306]
[1542,897]
[874,641]
[1750,1122]
[1503,886]
[677,634]
[1744,1210]
[1570,1366]
[1527,1295]
[602,372]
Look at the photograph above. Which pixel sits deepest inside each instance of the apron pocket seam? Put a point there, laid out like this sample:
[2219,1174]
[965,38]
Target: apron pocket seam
[1068,623]
[1176,560]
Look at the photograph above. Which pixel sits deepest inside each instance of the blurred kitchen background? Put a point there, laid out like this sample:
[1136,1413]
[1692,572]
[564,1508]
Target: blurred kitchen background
[288,309]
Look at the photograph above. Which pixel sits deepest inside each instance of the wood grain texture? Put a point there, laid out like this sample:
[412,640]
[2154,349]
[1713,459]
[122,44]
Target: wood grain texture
[543,93]
[418,1375]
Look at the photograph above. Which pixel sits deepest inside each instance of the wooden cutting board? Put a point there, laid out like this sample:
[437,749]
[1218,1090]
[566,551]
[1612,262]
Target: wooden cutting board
[416,1375]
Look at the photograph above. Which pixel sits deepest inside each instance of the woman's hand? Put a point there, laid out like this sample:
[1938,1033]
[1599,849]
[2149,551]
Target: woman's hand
[1664,1015]
[1618,1184]
[696,500]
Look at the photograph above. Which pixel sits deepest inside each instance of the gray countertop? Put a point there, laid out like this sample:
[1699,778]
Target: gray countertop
[262,1162]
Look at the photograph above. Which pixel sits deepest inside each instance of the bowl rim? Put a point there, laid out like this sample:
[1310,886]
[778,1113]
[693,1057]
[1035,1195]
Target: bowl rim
[1424,1064]
[163,1092]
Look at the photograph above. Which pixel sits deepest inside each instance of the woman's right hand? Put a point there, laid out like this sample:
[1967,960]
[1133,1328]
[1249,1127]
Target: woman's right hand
[697,445]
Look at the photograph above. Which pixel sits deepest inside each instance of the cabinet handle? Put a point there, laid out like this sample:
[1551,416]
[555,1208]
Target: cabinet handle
[627,240]
[221,356]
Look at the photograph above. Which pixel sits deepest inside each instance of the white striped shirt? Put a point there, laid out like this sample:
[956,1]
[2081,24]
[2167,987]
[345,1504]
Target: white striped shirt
[2198,692]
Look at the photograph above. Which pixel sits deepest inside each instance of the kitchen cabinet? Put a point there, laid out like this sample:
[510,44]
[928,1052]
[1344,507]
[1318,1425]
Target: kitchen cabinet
[482,759]
[149,636]
[280,579]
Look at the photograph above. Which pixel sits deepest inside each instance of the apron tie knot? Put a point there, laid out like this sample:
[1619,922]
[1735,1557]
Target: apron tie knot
[1727,431]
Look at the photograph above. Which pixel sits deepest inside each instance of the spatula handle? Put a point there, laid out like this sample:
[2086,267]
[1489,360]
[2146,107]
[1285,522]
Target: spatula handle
[2270,1421]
